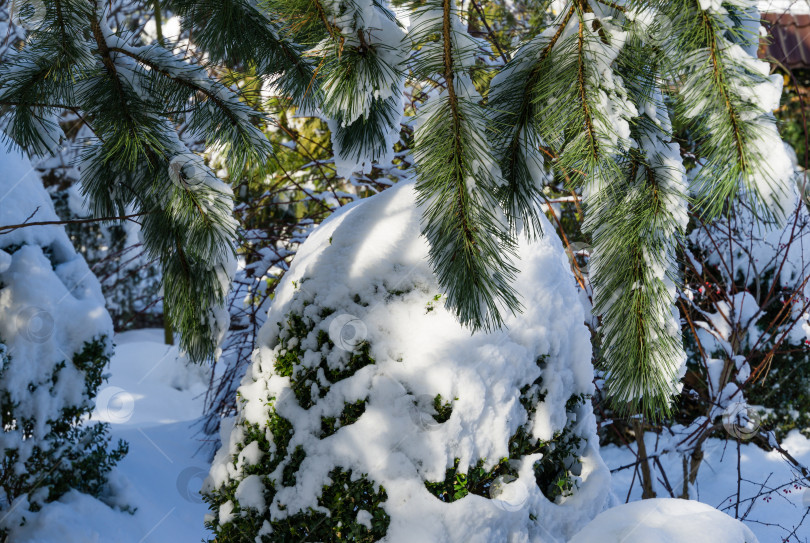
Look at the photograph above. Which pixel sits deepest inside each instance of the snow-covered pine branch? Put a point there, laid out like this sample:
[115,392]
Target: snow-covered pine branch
[727,98]
[362,82]
[458,178]
[635,226]
[241,32]
[131,96]
[514,126]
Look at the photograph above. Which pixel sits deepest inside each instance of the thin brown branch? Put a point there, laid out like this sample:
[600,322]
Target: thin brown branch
[491,34]
[11,227]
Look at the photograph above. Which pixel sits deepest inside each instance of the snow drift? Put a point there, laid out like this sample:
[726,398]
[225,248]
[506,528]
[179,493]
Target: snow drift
[665,521]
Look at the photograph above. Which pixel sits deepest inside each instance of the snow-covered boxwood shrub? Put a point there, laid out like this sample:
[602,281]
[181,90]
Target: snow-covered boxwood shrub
[370,414]
[55,341]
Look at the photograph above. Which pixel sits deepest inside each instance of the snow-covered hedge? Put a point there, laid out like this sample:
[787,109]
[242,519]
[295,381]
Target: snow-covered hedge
[370,414]
[55,341]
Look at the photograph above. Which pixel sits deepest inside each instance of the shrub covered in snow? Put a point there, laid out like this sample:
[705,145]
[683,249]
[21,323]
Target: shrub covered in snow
[55,341]
[370,414]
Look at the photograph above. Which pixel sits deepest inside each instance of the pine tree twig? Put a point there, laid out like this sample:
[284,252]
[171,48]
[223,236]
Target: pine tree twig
[526,111]
[657,461]
[553,156]
[739,480]
[594,149]
[158,22]
[179,80]
[697,339]
[60,22]
[558,33]
[453,101]
[578,274]
[85,122]
[109,64]
[15,103]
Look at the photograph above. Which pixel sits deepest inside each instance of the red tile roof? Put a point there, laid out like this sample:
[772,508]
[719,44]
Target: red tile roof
[789,39]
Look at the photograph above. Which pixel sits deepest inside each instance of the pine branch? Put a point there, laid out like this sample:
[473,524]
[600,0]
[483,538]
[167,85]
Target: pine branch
[470,249]
[238,32]
[362,84]
[722,87]
[127,97]
[593,146]
[725,97]
[636,225]
[514,128]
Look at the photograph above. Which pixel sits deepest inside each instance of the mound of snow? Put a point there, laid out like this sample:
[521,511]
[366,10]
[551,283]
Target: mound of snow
[55,341]
[363,371]
[664,521]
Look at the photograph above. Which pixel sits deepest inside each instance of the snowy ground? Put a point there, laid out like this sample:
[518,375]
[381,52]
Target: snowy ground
[777,504]
[150,401]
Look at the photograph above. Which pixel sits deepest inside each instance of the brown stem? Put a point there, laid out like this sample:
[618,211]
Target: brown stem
[582,93]
[11,227]
[158,24]
[720,82]
[614,5]
[646,475]
[492,35]
[184,82]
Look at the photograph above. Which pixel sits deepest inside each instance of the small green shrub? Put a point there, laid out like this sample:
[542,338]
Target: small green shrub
[72,455]
[344,497]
